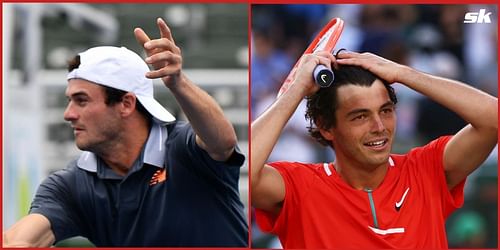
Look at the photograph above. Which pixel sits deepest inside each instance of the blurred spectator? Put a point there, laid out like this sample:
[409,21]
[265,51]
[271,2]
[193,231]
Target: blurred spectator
[269,65]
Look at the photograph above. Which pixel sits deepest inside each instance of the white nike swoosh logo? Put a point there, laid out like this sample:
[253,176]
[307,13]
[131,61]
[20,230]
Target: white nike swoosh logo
[399,203]
[323,78]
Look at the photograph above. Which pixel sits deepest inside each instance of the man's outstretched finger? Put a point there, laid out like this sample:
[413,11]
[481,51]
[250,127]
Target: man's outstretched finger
[164,30]
[141,36]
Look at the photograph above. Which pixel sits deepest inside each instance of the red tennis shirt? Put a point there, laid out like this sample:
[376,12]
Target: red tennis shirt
[407,210]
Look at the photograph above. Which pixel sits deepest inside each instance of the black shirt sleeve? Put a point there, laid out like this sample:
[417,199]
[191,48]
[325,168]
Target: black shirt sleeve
[55,201]
[182,143]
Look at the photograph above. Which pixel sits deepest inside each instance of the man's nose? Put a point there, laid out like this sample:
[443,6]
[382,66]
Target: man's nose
[69,113]
[377,124]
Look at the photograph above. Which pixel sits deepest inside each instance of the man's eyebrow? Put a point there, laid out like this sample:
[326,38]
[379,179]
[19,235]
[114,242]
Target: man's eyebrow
[387,105]
[360,111]
[357,111]
[78,94]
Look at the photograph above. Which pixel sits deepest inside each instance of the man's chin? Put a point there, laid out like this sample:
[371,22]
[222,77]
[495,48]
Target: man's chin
[379,159]
[82,146]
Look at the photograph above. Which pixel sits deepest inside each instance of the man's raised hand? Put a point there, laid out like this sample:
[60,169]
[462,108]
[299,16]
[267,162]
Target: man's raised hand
[379,66]
[162,54]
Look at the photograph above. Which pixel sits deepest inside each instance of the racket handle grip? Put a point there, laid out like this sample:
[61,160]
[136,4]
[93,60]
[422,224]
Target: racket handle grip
[323,76]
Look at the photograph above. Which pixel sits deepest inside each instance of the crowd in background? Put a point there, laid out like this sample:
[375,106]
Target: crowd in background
[429,38]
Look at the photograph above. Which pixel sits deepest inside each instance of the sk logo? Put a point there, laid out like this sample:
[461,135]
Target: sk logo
[477,17]
[159,176]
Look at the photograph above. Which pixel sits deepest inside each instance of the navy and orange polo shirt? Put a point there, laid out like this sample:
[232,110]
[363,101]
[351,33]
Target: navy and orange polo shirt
[174,195]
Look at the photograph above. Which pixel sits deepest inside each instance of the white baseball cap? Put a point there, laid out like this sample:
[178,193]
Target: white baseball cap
[122,69]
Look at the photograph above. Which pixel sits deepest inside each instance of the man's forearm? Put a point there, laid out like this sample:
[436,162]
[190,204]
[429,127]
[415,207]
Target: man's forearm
[31,231]
[266,129]
[474,106]
[206,117]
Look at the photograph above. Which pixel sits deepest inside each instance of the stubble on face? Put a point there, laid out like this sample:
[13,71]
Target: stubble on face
[103,132]
[97,126]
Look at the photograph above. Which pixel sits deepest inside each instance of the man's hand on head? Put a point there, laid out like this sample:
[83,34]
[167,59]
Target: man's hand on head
[381,67]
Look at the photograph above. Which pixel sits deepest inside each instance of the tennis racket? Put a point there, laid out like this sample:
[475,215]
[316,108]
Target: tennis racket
[325,41]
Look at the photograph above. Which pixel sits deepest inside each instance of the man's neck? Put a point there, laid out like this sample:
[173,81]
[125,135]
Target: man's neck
[122,155]
[359,176]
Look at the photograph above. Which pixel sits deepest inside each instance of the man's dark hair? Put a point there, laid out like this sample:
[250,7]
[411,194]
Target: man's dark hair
[322,105]
[74,63]
[113,96]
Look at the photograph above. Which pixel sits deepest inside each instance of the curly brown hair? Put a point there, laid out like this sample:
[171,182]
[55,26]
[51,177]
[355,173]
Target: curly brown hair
[322,105]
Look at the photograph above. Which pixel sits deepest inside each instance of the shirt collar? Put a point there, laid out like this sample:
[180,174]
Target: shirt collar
[154,151]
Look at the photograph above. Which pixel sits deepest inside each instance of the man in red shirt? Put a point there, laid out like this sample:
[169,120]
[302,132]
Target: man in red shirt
[368,197]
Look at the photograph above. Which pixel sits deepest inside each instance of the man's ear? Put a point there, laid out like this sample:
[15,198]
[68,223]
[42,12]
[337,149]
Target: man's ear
[327,134]
[127,106]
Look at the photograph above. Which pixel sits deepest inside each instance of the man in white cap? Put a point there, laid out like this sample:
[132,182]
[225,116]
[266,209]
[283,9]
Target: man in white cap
[143,178]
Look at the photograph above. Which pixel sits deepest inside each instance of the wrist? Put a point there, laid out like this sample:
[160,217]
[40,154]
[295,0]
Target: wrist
[176,82]
[297,90]
[305,88]
[403,72]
